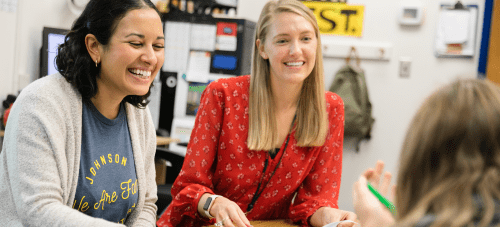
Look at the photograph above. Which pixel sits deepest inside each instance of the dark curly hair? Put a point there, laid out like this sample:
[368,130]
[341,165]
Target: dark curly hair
[99,18]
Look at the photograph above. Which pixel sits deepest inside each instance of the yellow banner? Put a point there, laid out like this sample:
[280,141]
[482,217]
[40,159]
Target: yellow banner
[338,18]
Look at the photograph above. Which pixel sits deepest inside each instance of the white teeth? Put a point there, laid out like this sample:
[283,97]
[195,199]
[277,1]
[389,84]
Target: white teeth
[294,63]
[141,73]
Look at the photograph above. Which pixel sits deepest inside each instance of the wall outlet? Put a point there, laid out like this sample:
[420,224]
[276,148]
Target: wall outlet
[404,67]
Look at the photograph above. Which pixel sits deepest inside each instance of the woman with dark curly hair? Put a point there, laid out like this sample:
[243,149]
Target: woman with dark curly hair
[79,147]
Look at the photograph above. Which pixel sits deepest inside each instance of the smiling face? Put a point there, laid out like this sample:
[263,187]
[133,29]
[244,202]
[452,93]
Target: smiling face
[134,55]
[290,47]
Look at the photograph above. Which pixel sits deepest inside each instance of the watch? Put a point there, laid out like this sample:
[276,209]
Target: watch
[208,204]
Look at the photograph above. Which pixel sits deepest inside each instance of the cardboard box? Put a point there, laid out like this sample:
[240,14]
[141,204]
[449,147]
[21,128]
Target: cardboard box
[161,171]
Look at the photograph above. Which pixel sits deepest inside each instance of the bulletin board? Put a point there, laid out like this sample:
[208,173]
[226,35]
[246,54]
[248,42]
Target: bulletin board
[338,18]
[456,31]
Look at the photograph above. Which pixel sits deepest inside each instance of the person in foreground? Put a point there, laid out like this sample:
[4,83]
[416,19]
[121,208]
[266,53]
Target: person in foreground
[269,145]
[449,172]
[79,145]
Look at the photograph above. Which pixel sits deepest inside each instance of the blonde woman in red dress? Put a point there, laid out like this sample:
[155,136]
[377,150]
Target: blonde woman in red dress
[268,145]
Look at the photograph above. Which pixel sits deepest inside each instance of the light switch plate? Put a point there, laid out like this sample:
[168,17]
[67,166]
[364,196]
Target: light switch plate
[404,67]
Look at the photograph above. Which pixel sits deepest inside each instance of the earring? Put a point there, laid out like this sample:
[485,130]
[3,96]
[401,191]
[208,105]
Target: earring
[96,63]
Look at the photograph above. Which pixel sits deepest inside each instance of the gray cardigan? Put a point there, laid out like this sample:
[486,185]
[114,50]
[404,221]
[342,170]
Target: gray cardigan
[40,159]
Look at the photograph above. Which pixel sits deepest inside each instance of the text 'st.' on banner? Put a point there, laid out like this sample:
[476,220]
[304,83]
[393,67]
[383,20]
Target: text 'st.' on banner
[338,18]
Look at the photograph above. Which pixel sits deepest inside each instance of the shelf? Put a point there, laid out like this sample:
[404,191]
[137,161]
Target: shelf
[229,3]
[365,50]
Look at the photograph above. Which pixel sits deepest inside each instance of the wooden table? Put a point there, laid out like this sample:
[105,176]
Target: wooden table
[162,141]
[271,223]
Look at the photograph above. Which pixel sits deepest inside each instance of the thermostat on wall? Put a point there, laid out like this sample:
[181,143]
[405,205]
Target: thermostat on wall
[411,13]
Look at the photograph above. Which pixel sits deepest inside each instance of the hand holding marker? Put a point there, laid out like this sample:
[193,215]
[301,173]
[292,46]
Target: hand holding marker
[382,199]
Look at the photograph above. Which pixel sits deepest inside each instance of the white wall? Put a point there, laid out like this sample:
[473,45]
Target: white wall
[394,99]
[33,16]
[20,58]
[8,30]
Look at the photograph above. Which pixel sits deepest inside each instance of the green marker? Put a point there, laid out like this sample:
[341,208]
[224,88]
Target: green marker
[382,199]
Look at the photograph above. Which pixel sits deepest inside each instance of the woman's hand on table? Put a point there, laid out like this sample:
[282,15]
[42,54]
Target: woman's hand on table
[229,213]
[370,210]
[326,215]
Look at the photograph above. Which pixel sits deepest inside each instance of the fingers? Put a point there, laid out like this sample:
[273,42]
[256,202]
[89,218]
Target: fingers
[386,182]
[351,216]
[346,224]
[229,214]
[368,173]
[223,221]
[359,189]
[363,200]
[359,194]
[392,195]
[375,177]
[244,218]
[348,216]
[362,179]
[379,166]
[239,217]
[361,184]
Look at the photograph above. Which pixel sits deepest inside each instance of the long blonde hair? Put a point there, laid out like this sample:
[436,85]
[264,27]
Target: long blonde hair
[312,121]
[450,153]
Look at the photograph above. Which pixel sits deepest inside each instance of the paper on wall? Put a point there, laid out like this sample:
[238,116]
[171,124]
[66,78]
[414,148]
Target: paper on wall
[198,67]
[176,46]
[455,26]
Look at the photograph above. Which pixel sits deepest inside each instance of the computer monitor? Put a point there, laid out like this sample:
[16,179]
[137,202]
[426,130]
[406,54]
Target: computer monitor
[51,39]
[187,101]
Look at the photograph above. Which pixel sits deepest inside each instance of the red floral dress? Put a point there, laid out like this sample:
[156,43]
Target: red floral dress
[218,162]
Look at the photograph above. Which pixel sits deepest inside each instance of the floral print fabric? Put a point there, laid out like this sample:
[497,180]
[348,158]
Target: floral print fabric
[218,162]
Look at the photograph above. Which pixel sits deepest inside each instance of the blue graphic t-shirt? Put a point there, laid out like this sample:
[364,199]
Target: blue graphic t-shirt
[107,182]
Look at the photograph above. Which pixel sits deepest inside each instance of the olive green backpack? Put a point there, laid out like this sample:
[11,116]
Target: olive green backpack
[350,85]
